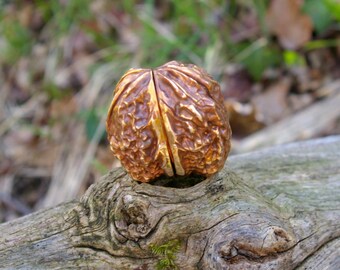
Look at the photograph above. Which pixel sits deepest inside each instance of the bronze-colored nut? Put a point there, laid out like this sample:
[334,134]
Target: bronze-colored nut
[170,120]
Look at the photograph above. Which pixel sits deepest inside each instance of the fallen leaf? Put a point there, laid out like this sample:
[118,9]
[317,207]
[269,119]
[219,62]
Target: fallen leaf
[272,103]
[20,142]
[286,20]
[236,84]
[243,118]
[306,79]
[298,102]
[245,27]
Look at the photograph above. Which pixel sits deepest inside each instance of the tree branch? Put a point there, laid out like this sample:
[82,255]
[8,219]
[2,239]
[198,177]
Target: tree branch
[273,209]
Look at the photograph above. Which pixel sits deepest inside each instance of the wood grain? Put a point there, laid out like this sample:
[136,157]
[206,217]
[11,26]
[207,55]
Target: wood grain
[277,208]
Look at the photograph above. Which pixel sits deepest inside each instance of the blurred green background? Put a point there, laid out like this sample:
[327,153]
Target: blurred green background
[60,60]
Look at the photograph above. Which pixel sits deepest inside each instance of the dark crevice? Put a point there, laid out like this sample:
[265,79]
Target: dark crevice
[320,246]
[163,125]
[246,256]
[179,182]
[203,252]
[215,225]
[171,201]
[314,251]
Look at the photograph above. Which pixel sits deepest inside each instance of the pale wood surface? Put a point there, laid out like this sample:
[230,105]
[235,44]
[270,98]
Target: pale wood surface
[277,208]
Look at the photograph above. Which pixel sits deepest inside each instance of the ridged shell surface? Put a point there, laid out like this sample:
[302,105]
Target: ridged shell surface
[170,120]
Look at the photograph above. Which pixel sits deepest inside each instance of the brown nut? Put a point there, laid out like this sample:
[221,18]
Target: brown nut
[169,120]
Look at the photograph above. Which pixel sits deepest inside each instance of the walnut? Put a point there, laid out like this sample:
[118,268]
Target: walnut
[170,120]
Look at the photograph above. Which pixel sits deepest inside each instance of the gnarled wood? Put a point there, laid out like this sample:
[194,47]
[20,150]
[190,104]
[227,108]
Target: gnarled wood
[274,209]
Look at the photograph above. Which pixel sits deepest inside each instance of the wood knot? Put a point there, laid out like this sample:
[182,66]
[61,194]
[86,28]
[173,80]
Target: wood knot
[275,240]
[252,244]
[132,217]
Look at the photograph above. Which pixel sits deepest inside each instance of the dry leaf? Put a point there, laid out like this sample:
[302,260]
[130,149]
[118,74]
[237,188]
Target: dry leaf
[245,27]
[298,102]
[272,103]
[27,150]
[243,118]
[286,20]
[237,84]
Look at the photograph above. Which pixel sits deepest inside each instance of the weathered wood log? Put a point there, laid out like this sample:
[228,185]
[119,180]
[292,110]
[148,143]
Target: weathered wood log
[277,208]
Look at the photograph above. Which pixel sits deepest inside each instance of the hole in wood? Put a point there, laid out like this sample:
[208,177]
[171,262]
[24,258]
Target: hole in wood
[179,181]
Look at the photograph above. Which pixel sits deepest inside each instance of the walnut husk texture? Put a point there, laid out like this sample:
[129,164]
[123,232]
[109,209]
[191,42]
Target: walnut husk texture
[170,120]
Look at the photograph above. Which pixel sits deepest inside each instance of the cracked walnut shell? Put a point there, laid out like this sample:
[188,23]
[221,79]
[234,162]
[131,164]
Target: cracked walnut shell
[170,120]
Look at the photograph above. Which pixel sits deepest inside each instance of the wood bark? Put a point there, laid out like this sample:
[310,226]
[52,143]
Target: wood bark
[278,208]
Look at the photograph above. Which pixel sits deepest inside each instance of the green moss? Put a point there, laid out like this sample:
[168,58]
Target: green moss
[166,254]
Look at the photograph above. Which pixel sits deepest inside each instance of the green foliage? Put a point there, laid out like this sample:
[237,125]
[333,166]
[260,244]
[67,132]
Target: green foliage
[193,12]
[257,57]
[100,167]
[333,7]
[18,40]
[64,16]
[321,43]
[166,30]
[92,118]
[319,14]
[261,10]
[322,13]
[167,254]
[260,60]
[54,92]
[183,41]
[292,58]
